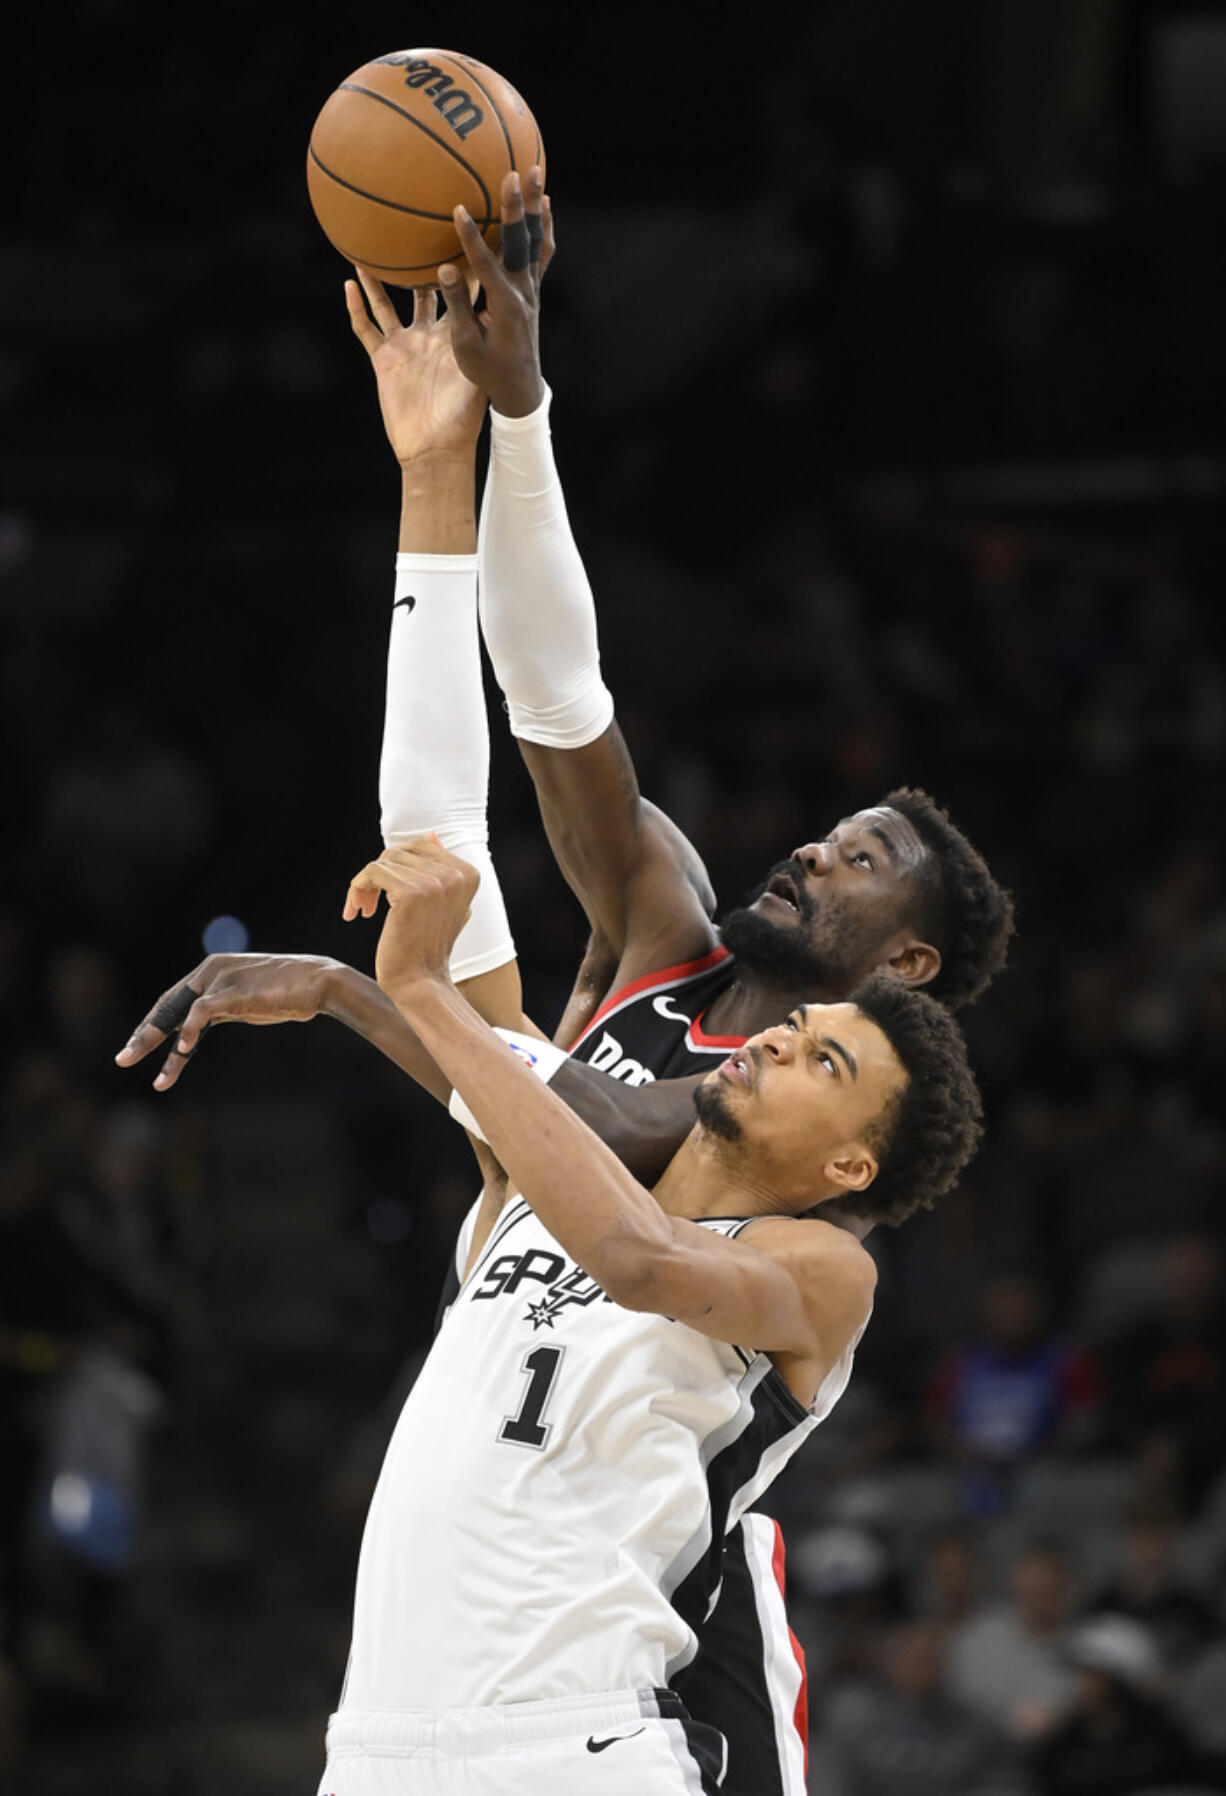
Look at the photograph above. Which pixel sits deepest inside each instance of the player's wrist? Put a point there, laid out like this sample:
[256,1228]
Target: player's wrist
[456,465]
[420,990]
[438,506]
[334,987]
[520,400]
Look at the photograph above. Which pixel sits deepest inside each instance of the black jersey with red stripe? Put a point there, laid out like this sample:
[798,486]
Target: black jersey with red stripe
[653,1027]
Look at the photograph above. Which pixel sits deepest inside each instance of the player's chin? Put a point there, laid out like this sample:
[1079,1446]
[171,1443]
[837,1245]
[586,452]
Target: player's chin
[715,1107]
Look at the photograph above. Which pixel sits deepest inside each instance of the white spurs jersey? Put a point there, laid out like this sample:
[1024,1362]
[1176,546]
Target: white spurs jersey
[550,1514]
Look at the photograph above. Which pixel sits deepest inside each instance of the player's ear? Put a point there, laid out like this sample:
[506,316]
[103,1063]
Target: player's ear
[918,963]
[852,1168]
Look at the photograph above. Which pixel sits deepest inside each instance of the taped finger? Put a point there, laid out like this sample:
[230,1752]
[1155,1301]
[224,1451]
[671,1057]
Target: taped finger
[536,235]
[516,245]
[171,1012]
[176,1046]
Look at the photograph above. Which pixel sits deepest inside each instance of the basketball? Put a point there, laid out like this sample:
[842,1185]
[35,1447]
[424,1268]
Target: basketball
[404,140]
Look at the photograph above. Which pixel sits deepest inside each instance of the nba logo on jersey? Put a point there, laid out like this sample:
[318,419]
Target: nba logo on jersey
[525,1053]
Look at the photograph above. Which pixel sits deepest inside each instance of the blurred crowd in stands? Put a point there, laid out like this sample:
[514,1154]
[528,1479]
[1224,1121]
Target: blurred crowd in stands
[898,459]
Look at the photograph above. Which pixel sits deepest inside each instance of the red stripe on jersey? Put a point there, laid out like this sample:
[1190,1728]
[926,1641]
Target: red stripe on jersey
[697,1038]
[800,1715]
[687,969]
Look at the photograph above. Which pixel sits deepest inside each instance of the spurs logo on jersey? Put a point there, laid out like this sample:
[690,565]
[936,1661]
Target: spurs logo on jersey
[508,1272]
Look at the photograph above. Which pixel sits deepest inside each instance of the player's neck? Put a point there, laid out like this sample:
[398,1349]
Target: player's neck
[751,1003]
[706,1178]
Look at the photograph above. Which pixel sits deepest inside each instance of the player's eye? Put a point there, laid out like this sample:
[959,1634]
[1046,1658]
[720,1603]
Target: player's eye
[864,859]
[791,1023]
[827,1061]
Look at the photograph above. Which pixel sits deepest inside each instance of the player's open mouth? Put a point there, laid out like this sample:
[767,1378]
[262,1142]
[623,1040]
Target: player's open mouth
[781,887]
[738,1069]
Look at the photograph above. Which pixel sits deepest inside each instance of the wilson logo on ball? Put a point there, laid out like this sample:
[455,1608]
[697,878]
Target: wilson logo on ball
[400,143]
[458,108]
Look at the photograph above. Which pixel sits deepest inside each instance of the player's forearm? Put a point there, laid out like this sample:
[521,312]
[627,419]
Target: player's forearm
[576,1185]
[434,766]
[539,622]
[438,513]
[349,997]
[644,1125]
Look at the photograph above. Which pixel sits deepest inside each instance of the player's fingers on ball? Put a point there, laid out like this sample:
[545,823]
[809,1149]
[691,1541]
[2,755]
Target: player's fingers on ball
[367,333]
[481,259]
[461,296]
[425,305]
[516,231]
[355,305]
[534,189]
[385,313]
[511,197]
[549,236]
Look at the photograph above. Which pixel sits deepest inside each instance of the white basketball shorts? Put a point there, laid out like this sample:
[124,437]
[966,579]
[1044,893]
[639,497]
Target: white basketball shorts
[625,1740]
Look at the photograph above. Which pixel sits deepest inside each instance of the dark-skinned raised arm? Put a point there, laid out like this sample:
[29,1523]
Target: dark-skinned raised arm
[643,1125]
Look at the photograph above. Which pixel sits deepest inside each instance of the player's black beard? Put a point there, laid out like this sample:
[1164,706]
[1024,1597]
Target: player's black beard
[715,1111]
[774,954]
[790,957]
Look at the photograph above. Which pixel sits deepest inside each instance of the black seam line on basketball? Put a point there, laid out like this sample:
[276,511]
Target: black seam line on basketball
[351,87]
[386,267]
[473,76]
[372,93]
[377,199]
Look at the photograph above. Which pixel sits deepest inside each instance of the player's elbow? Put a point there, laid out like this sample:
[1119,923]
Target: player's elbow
[630,1270]
[645,1276]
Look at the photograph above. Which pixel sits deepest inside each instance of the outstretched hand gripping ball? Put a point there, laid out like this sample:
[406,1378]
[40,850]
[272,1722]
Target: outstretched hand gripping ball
[403,141]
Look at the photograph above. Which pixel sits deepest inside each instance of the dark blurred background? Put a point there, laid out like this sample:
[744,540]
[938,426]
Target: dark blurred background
[888,350]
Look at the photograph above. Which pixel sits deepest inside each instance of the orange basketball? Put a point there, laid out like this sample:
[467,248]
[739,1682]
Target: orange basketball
[402,142]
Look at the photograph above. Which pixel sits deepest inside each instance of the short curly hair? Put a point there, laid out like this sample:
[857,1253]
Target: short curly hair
[927,1134]
[962,911]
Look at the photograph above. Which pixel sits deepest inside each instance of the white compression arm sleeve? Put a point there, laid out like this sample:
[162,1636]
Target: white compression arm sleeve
[537,612]
[541,1057]
[434,772]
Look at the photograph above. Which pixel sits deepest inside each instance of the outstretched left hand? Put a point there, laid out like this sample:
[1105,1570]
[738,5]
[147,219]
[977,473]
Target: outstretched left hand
[429,407]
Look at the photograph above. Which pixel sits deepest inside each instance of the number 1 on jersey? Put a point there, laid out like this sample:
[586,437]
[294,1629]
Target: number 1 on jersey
[526,1428]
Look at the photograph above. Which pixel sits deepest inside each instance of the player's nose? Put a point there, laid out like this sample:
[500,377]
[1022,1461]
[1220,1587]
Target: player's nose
[777,1042]
[816,858]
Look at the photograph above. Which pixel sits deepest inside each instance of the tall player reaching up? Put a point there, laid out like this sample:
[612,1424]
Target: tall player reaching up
[897,886]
